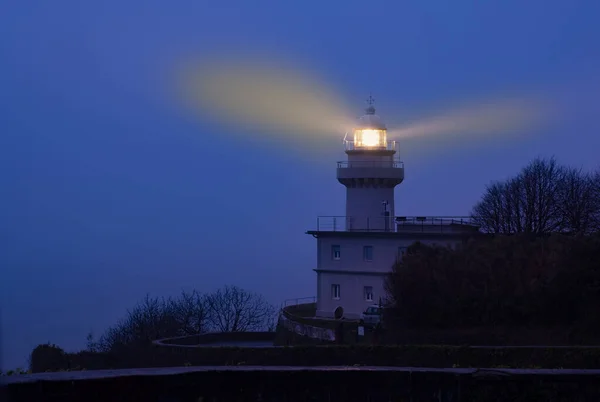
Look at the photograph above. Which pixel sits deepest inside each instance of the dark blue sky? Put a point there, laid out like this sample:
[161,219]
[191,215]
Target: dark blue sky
[109,191]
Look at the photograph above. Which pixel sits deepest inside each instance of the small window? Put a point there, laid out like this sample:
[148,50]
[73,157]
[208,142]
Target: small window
[368,293]
[401,253]
[336,252]
[368,253]
[335,291]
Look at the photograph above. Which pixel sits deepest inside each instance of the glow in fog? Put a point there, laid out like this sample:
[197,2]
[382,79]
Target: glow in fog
[274,99]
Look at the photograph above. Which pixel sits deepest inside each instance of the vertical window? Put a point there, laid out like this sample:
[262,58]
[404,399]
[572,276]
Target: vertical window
[368,253]
[336,253]
[368,293]
[401,253]
[335,291]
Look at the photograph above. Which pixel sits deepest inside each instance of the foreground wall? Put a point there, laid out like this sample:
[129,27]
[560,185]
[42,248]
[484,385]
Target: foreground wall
[326,384]
[297,326]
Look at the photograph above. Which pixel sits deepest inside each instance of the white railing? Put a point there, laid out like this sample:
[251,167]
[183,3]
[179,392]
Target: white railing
[371,164]
[299,300]
[439,224]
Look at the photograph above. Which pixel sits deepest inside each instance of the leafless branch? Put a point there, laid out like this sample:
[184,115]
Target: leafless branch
[232,309]
[544,197]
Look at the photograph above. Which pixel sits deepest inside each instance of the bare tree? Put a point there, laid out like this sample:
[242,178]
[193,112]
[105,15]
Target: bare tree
[190,311]
[232,309]
[152,319]
[540,195]
[543,198]
[579,201]
[596,191]
[501,209]
[526,203]
[91,343]
[490,212]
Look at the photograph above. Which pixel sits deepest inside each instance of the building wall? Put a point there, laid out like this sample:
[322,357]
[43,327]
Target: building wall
[385,251]
[352,298]
[352,272]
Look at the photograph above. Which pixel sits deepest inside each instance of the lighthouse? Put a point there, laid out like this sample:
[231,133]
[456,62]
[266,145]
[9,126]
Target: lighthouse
[356,252]
[370,173]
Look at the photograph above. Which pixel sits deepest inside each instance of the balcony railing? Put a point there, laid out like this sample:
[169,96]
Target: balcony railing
[401,224]
[389,146]
[371,164]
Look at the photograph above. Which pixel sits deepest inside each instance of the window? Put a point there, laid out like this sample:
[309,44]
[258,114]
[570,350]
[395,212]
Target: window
[368,293]
[368,253]
[336,253]
[335,291]
[401,253]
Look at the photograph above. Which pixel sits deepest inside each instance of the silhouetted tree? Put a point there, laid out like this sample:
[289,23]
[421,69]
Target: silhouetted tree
[226,310]
[153,318]
[91,344]
[232,309]
[191,313]
[509,281]
[547,273]
[527,203]
[47,357]
[544,197]
[579,201]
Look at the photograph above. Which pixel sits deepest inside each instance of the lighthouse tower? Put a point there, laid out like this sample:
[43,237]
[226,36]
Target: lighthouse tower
[370,173]
[356,252]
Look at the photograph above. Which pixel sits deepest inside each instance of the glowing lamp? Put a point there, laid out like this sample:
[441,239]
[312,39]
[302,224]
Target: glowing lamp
[370,138]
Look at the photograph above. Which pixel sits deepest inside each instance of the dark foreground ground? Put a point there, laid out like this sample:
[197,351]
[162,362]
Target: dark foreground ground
[319,384]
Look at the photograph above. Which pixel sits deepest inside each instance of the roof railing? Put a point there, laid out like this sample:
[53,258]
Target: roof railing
[438,224]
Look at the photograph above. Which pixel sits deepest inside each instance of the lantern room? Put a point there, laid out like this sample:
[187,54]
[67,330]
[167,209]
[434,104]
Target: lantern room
[370,132]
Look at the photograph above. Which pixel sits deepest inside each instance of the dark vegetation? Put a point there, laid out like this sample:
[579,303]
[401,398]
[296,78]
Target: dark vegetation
[536,266]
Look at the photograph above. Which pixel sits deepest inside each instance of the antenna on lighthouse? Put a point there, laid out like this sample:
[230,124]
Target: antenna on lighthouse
[370,109]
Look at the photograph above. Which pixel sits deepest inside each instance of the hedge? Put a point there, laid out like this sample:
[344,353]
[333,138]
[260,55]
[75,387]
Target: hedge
[400,356]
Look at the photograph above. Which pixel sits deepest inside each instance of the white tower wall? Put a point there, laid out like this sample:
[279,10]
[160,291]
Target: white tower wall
[365,209]
[370,174]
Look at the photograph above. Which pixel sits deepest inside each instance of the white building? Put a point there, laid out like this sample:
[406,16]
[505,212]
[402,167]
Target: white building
[356,251]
